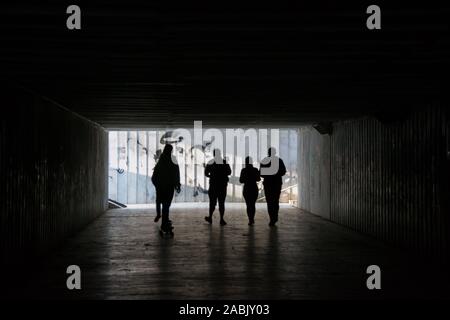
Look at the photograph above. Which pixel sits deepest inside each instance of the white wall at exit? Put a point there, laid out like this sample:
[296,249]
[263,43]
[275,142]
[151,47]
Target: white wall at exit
[133,155]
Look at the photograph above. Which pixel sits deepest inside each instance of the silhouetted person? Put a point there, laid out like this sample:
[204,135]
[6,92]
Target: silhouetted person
[272,184]
[166,178]
[217,170]
[249,177]
[157,201]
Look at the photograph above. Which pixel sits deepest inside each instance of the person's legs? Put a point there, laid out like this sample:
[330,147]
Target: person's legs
[166,201]
[273,199]
[255,197]
[250,210]
[269,200]
[158,205]
[212,203]
[252,207]
[276,203]
[165,216]
[250,199]
[247,204]
[270,205]
[222,194]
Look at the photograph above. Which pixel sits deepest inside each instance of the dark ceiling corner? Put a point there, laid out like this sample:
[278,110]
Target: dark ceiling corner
[324,128]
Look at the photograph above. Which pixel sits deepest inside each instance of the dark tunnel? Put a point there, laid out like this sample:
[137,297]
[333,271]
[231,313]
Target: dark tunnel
[362,125]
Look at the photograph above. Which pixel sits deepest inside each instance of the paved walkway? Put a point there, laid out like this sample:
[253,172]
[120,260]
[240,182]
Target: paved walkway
[122,256]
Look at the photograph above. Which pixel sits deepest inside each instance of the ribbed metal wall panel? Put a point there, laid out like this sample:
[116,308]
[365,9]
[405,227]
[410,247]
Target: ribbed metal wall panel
[53,167]
[314,172]
[391,180]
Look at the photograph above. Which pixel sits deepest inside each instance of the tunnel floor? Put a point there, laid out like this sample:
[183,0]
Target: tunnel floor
[122,256]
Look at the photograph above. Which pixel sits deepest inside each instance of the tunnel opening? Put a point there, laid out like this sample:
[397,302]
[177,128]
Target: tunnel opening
[133,155]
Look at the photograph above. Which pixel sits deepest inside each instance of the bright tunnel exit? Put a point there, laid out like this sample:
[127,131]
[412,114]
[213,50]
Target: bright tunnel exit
[133,155]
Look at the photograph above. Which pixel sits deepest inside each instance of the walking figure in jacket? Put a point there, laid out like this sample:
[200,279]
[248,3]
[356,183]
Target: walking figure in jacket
[166,178]
[217,170]
[272,170]
[249,177]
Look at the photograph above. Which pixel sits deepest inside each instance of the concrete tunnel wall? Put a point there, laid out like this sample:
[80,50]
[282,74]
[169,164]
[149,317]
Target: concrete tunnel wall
[390,181]
[53,166]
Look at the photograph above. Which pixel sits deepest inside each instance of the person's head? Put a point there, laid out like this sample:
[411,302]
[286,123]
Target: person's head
[248,161]
[167,149]
[217,153]
[217,156]
[272,152]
